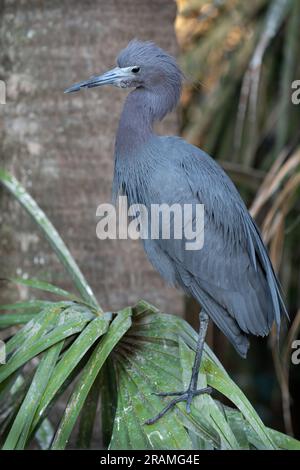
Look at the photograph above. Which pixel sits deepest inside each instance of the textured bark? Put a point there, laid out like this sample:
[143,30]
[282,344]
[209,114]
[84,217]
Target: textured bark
[61,146]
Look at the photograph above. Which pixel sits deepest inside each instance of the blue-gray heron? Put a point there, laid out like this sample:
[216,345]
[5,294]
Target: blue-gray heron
[231,277]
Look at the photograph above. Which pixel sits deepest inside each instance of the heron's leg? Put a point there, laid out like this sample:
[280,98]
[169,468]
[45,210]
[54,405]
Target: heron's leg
[192,391]
[203,320]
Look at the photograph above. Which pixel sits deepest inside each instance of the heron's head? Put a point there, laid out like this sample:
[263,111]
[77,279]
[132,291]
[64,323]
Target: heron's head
[139,65]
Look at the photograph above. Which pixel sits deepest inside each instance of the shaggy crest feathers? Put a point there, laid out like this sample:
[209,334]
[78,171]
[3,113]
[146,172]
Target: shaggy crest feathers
[147,53]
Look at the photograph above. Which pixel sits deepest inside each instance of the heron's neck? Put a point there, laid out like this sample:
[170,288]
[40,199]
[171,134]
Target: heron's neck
[136,143]
[135,126]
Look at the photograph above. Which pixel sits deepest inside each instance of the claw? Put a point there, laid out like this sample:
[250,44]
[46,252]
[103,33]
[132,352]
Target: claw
[168,394]
[187,396]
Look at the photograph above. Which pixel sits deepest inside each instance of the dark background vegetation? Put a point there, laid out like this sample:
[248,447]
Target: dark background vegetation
[240,59]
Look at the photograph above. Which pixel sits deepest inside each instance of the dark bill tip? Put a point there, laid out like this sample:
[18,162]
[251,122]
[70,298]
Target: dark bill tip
[77,86]
[72,89]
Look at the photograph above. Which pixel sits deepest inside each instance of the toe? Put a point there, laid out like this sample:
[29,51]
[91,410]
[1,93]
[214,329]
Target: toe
[168,394]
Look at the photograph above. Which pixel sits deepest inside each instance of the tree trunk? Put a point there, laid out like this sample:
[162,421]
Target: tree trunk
[61,146]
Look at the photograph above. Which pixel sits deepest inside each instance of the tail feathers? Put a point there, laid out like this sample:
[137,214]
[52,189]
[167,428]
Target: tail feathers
[273,283]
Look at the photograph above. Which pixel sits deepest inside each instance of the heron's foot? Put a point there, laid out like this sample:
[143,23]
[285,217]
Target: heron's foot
[187,396]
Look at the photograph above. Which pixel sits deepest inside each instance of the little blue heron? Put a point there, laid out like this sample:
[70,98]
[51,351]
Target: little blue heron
[231,277]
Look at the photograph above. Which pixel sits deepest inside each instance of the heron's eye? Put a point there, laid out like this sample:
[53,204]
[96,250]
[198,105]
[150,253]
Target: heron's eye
[135,69]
